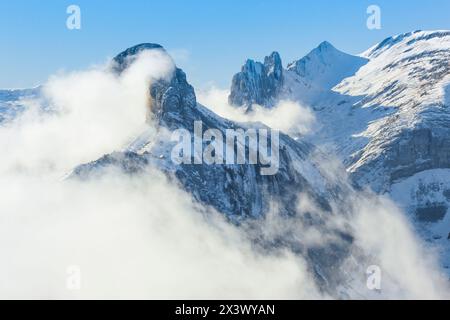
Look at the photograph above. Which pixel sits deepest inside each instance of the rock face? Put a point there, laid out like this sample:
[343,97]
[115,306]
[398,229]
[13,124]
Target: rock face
[412,151]
[240,192]
[257,83]
[174,103]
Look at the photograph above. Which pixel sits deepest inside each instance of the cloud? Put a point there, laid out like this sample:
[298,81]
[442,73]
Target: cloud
[382,237]
[287,116]
[132,238]
[409,269]
[93,112]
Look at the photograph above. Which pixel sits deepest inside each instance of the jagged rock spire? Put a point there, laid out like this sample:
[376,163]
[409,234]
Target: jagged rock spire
[257,83]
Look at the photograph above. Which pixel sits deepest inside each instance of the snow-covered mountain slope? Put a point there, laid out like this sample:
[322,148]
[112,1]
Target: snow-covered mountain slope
[386,113]
[325,66]
[13,102]
[407,154]
[410,75]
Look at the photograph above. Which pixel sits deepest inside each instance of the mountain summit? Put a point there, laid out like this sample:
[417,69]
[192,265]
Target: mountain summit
[326,66]
[257,83]
[125,58]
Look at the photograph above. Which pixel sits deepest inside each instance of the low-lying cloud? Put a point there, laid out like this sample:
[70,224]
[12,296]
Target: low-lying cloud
[287,116]
[93,112]
[131,238]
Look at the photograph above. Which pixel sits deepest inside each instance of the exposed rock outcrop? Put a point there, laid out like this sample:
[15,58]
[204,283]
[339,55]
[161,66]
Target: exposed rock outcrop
[258,83]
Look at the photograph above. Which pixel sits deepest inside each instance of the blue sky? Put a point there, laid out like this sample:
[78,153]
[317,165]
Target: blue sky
[210,39]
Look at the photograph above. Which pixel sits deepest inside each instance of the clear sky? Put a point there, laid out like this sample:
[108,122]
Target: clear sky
[210,39]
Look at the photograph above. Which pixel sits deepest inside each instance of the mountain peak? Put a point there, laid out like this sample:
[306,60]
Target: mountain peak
[326,66]
[325,45]
[273,65]
[171,99]
[274,56]
[125,58]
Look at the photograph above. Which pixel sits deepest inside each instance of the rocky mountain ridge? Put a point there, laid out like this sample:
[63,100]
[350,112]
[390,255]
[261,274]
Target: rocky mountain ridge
[387,117]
